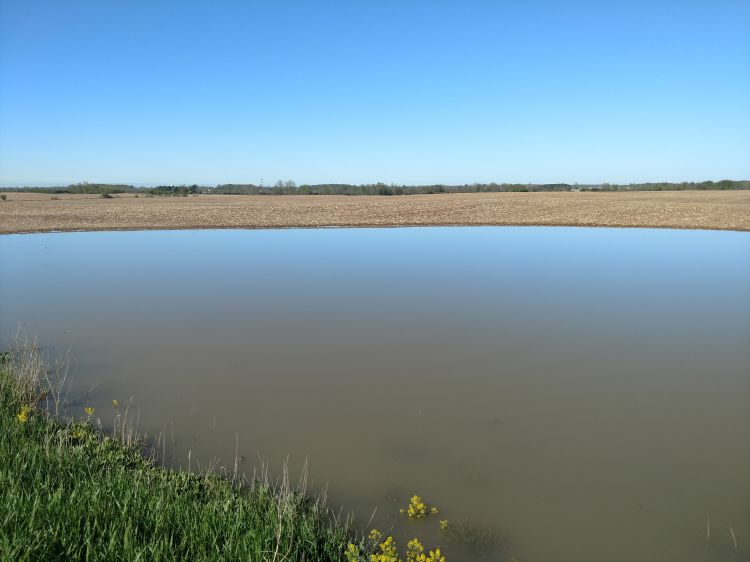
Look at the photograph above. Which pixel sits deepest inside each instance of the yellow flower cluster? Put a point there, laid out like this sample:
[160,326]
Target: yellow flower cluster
[418,509]
[415,551]
[89,411]
[435,556]
[387,552]
[24,414]
[352,553]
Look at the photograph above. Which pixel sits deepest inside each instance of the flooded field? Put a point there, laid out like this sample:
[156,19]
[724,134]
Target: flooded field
[559,393]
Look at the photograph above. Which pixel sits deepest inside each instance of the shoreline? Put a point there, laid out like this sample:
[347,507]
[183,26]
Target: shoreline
[61,473]
[25,213]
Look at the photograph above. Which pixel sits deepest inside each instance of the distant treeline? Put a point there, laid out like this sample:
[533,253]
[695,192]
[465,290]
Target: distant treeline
[290,188]
[109,188]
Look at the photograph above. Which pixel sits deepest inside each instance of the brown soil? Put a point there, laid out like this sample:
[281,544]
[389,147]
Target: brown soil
[31,212]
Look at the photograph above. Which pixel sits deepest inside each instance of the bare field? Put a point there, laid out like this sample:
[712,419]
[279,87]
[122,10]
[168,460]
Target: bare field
[32,212]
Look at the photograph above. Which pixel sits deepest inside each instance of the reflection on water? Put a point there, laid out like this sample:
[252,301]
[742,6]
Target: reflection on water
[563,393]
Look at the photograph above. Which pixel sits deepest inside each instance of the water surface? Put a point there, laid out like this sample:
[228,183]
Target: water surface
[583,393]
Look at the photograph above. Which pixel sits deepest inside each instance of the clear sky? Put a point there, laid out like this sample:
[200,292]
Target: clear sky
[364,91]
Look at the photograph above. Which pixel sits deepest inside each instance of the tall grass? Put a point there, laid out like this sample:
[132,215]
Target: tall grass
[68,491]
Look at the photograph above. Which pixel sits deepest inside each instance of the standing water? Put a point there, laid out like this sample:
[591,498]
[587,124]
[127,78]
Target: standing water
[559,393]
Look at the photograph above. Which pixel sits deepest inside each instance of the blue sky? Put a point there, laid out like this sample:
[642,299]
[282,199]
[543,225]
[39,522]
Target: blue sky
[358,92]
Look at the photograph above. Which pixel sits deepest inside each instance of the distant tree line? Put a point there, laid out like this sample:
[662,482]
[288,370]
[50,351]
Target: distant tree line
[174,190]
[288,187]
[87,188]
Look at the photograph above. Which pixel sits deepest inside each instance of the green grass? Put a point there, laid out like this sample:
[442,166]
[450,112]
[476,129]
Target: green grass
[69,492]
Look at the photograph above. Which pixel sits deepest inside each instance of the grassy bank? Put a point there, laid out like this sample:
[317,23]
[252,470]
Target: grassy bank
[68,491]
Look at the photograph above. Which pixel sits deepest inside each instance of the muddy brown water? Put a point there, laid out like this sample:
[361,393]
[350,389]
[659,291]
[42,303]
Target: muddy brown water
[559,393]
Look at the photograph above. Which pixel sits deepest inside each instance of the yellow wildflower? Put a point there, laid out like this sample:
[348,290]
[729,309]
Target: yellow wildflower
[115,403]
[89,411]
[444,525]
[387,552]
[435,556]
[417,508]
[415,551]
[352,553]
[23,415]
[434,510]
[375,535]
